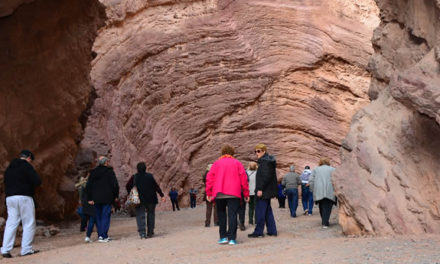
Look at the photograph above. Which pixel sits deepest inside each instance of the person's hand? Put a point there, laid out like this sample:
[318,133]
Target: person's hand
[91,202]
[163,199]
[260,193]
[246,199]
[307,185]
[208,198]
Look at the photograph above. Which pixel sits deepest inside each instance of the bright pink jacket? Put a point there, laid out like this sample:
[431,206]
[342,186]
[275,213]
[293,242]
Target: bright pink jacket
[227,176]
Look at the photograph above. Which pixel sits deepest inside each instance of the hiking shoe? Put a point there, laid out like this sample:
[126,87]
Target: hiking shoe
[253,235]
[223,240]
[87,240]
[242,227]
[103,240]
[31,252]
[324,226]
[7,255]
[150,235]
[269,234]
[232,242]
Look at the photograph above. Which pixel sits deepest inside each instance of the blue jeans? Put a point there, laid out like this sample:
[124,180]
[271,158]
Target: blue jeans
[103,214]
[92,222]
[292,197]
[264,215]
[307,198]
[83,219]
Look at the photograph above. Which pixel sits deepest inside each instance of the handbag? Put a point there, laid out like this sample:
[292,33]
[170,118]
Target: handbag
[133,197]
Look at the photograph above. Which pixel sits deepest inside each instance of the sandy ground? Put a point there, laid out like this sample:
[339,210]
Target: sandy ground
[182,238]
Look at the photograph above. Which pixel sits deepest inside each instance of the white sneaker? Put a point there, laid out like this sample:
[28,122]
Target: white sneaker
[87,240]
[103,240]
[325,227]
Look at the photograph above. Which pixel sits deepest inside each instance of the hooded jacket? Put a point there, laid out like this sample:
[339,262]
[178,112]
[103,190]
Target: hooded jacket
[291,180]
[21,178]
[102,186]
[266,179]
[305,176]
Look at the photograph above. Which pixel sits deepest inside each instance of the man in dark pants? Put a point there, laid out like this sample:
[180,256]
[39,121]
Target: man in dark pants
[266,189]
[20,182]
[147,188]
[102,190]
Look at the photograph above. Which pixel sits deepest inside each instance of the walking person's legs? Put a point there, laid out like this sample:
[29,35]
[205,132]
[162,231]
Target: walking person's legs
[208,213]
[27,213]
[295,201]
[304,197]
[92,222]
[173,203]
[290,198]
[260,213]
[270,221]
[233,204]
[310,201]
[12,224]
[327,210]
[242,213]
[99,221]
[106,215]
[151,218]
[221,211]
[140,220]
[251,210]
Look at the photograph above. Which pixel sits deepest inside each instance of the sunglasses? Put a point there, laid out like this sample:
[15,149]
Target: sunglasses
[258,151]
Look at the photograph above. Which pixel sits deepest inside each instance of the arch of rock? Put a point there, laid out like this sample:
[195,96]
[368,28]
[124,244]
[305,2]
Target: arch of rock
[169,81]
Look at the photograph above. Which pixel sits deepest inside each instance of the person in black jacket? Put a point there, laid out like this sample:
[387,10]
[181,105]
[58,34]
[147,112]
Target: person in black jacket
[147,188]
[102,190]
[20,182]
[266,188]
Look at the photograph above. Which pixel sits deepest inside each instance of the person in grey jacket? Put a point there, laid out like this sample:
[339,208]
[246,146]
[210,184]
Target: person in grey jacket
[291,181]
[323,192]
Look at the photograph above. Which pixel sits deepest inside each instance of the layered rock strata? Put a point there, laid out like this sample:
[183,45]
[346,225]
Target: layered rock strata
[177,79]
[389,179]
[45,54]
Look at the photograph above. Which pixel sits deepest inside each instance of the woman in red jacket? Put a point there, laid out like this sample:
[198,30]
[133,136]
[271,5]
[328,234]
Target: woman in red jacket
[225,182]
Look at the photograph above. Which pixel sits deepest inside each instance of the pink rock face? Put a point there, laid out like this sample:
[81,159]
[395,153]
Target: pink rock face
[45,54]
[389,178]
[177,79]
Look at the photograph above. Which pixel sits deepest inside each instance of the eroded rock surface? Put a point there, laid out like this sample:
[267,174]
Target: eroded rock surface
[45,54]
[389,179]
[177,79]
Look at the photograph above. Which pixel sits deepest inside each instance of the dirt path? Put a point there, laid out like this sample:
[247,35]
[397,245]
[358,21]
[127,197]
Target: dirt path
[182,238]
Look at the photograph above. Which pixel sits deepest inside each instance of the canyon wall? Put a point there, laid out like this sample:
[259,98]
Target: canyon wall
[389,179]
[45,55]
[177,79]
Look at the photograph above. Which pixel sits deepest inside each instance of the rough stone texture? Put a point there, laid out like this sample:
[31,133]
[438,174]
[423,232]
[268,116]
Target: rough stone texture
[389,179]
[176,79]
[45,54]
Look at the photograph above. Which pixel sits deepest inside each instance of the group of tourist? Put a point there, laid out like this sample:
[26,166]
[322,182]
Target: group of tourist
[228,188]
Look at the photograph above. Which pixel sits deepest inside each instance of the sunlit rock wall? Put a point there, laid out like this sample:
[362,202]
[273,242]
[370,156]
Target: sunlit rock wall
[177,79]
[389,180]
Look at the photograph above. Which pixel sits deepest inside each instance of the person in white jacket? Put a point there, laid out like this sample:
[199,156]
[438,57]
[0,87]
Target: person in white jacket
[306,193]
[252,172]
[323,192]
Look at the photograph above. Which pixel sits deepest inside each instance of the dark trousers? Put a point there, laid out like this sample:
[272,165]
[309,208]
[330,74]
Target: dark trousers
[325,209]
[103,214]
[282,202]
[193,201]
[307,198]
[92,222]
[209,208]
[232,204]
[175,204]
[140,218]
[84,219]
[292,196]
[242,212]
[252,210]
[264,215]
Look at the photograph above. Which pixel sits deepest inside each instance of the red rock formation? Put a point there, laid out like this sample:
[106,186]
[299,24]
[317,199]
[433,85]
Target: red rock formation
[389,179]
[176,79]
[45,54]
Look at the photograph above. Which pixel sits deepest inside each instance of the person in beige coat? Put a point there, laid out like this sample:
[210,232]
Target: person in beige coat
[323,192]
